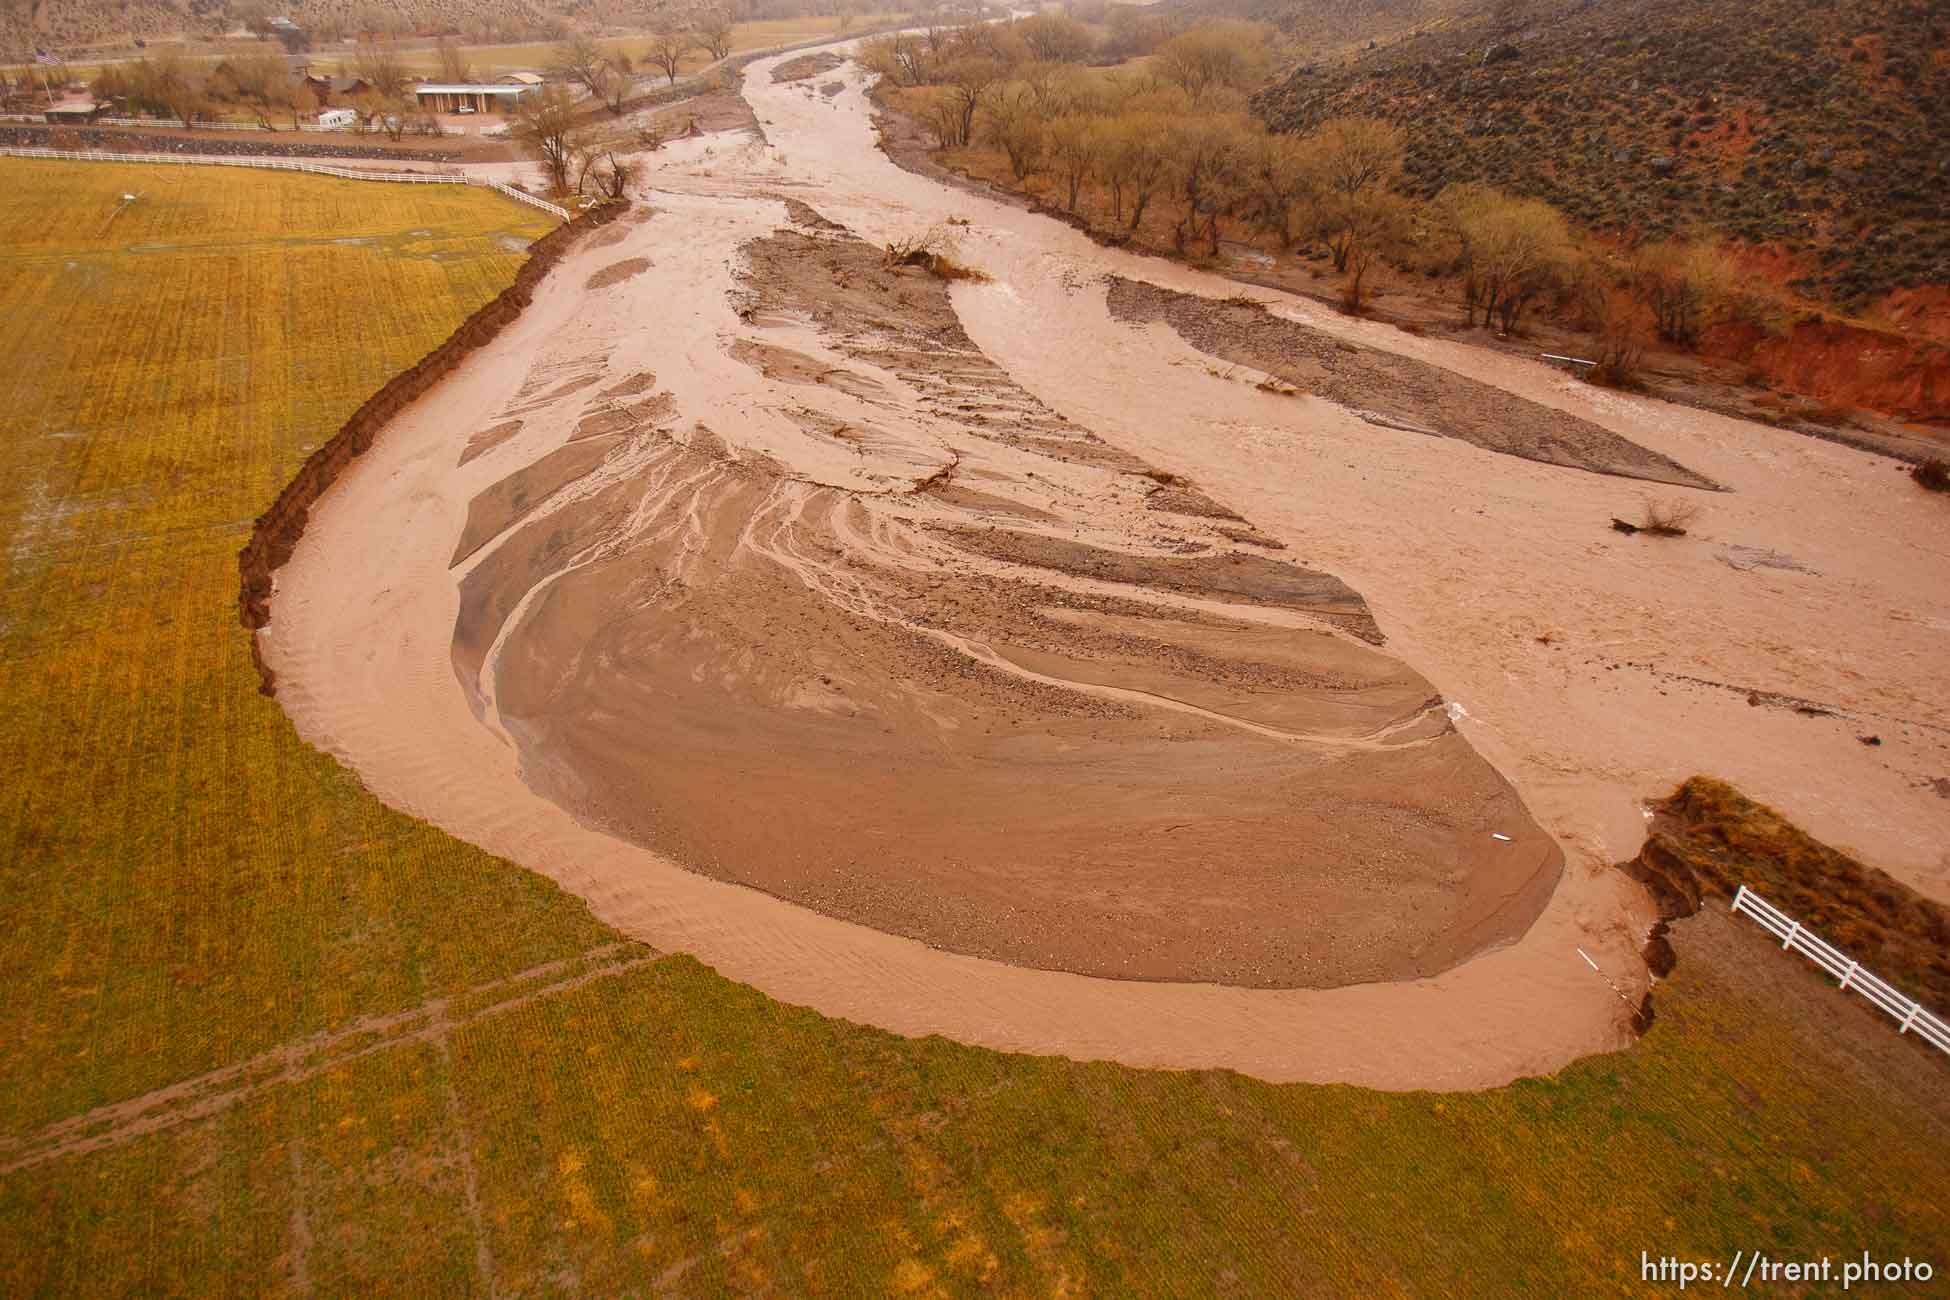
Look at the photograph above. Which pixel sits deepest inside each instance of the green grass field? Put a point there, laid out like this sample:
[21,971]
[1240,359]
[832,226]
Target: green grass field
[264,1036]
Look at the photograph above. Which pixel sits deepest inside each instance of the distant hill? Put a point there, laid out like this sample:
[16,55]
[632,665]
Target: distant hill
[64,24]
[1819,128]
[76,25]
[1329,27]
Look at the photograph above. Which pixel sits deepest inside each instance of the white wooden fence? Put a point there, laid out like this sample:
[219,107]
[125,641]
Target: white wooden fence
[555,210]
[209,124]
[1908,1013]
[174,124]
[292,165]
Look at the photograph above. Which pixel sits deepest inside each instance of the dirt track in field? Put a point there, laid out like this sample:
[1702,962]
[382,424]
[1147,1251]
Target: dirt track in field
[994,661]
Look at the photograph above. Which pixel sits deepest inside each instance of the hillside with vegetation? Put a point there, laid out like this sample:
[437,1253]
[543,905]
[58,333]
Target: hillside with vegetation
[77,25]
[77,28]
[1818,131]
[1827,312]
[1337,28]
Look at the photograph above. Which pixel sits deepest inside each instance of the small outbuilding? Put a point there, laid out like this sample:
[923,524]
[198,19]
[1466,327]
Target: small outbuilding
[74,112]
[471,97]
[328,90]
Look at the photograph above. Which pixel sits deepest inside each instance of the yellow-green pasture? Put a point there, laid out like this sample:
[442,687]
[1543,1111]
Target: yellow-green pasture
[263,1036]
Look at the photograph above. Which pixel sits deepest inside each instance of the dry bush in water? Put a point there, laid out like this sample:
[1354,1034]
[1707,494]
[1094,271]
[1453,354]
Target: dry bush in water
[1617,323]
[1619,355]
[1933,474]
[1661,519]
[1668,518]
[934,252]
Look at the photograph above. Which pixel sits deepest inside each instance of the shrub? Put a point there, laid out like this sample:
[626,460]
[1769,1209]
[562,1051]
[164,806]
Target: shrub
[1617,363]
[1933,474]
[1828,415]
[1668,518]
[1686,287]
[932,251]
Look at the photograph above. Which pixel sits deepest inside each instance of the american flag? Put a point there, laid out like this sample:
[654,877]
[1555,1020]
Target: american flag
[45,59]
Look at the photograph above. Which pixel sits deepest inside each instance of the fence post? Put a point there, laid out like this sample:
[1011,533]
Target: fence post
[1907,1011]
[283,165]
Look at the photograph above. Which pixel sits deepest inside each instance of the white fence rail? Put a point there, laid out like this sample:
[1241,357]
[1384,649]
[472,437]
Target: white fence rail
[291,165]
[523,196]
[217,160]
[1907,1012]
[174,124]
[177,124]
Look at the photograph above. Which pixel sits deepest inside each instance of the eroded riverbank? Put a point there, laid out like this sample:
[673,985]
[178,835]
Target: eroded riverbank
[748,464]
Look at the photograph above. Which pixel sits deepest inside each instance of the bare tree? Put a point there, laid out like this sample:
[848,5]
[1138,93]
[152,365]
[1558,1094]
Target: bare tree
[175,88]
[617,87]
[614,175]
[1013,125]
[1352,154]
[1686,287]
[453,60]
[667,51]
[1217,55]
[1350,162]
[1377,228]
[1059,88]
[400,118]
[901,58]
[998,41]
[1512,249]
[1056,39]
[303,102]
[602,70]
[1135,161]
[944,119]
[584,153]
[711,28]
[1617,324]
[261,82]
[937,33]
[1073,143]
[1281,186]
[972,82]
[545,126]
[581,60]
[1208,162]
[378,64]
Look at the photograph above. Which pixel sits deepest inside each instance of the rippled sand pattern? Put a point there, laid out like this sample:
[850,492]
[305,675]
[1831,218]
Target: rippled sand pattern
[1006,661]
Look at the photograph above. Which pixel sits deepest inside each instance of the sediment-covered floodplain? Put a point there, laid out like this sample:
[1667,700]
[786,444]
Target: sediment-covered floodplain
[1042,658]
